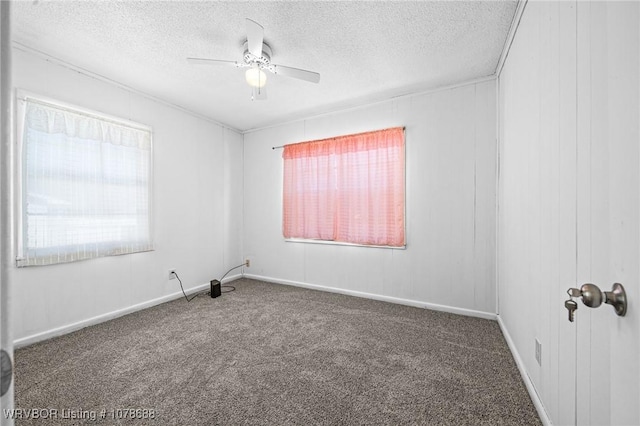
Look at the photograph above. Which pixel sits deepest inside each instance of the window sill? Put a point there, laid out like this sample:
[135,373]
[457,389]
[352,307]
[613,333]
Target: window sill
[340,243]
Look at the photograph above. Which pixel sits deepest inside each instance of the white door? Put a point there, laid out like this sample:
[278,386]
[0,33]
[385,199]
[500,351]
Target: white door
[6,345]
[608,210]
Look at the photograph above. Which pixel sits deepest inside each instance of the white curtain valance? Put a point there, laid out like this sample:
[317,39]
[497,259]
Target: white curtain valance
[48,119]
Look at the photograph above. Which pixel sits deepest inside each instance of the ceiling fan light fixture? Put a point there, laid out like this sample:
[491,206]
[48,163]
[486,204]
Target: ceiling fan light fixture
[257,58]
[255,77]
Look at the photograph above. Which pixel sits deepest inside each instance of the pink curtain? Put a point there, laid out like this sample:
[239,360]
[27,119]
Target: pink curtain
[348,189]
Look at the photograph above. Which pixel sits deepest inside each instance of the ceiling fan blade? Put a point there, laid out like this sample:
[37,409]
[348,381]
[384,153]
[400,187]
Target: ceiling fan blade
[310,76]
[204,61]
[255,37]
[258,93]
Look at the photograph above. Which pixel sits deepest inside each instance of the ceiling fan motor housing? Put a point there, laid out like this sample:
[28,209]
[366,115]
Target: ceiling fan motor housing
[263,61]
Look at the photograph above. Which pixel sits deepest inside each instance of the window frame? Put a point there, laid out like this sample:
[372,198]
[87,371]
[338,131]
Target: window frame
[344,243]
[20,230]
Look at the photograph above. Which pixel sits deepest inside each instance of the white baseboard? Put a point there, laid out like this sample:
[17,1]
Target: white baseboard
[537,402]
[65,329]
[399,301]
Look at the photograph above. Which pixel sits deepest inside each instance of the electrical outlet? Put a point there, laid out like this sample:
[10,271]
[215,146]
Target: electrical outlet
[247,263]
[172,274]
[539,352]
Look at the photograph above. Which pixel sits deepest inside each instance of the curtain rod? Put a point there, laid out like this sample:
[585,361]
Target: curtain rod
[282,146]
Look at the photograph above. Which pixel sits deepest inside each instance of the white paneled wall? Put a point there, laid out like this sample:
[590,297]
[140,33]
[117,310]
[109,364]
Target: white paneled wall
[537,197]
[197,182]
[569,101]
[450,204]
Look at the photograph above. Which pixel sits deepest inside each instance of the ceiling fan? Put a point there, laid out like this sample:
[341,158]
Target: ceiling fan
[257,57]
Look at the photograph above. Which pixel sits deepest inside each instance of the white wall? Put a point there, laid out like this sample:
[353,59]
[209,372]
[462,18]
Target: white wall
[537,196]
[450,203]
[197,190]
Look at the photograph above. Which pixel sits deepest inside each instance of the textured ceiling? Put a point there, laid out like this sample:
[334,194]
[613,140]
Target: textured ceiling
[364,51]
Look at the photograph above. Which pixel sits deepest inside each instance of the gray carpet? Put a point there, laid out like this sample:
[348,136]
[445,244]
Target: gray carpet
[275,355]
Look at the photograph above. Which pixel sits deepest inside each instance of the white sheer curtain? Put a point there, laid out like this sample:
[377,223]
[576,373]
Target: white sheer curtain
[85,185]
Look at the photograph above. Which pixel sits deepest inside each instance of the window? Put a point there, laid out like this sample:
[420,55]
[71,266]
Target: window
[348,189]
[85,184]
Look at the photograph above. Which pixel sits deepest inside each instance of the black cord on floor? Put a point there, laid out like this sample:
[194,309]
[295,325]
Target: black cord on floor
[185,294]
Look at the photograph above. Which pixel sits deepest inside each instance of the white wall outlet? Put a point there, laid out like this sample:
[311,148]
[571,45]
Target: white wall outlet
[247,262]
[172,274]
[539,352]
